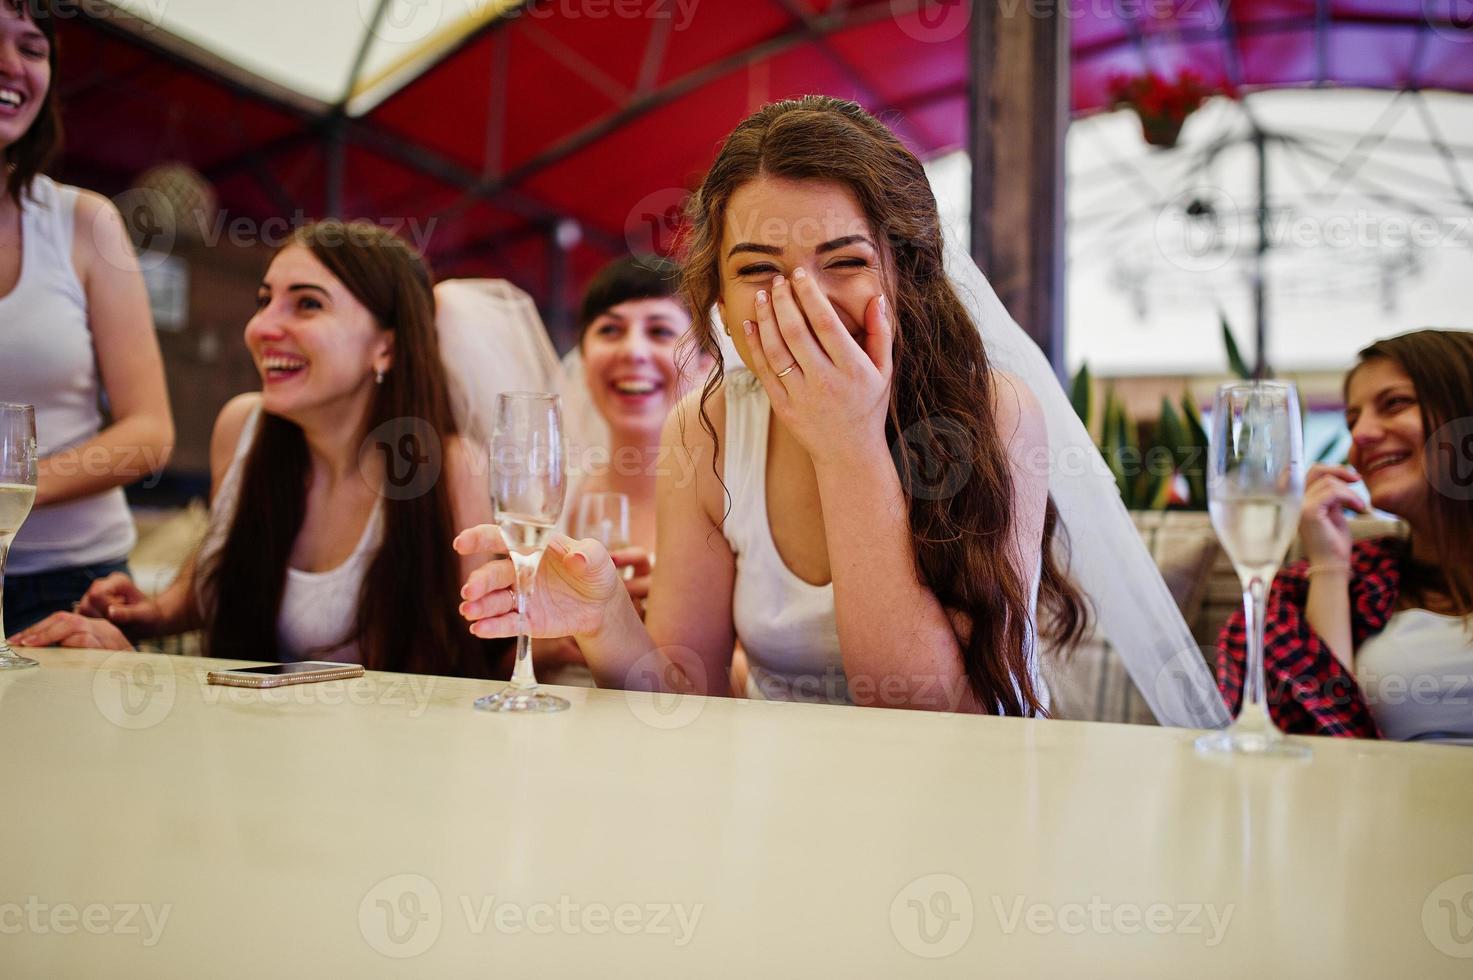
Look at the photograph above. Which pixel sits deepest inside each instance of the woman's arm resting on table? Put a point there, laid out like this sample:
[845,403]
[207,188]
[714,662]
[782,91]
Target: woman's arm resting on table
[65,629]
[892,630]
[689,612]
[176,609]
[139,441]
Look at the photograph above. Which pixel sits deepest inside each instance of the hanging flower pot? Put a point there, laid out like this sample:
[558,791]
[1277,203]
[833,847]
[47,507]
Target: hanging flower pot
[1163,106]
[1161,132]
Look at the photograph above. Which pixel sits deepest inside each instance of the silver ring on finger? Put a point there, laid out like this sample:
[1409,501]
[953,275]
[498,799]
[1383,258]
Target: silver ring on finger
[788,370]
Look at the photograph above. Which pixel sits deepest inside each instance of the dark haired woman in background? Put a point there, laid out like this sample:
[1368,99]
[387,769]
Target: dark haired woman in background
[1376,636]
[312,551]
[634,371]
[75,328]
[816,233]
[631,370]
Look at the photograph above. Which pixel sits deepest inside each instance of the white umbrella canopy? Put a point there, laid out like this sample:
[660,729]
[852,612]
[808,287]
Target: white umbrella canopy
[354,53]
[1370,219]
[1370,229]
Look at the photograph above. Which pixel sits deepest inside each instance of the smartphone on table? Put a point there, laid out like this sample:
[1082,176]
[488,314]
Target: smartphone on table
[278,675]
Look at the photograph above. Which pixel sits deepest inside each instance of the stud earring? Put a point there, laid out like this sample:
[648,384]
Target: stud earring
[378,377]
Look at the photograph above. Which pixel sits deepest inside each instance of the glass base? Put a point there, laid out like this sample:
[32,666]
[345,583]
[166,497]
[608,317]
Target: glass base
[10,660]
[1239,740]
[522,701]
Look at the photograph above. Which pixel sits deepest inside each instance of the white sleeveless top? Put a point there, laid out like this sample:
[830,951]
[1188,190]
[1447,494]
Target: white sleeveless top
[1417,677]
[318,609]
[786,625]
[47,360]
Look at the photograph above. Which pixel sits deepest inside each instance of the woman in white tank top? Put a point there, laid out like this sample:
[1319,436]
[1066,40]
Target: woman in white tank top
[75,326]
[332,486]
[848,577]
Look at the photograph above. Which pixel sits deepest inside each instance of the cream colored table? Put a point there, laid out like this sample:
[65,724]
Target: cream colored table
[156,827]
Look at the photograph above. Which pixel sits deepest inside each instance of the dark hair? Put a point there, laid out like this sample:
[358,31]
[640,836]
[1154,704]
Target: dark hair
[30,155]
[407,609]
[1440,366]
[622,280]
[941,416]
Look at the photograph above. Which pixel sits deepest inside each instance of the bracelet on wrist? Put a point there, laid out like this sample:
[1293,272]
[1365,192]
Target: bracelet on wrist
[1328,567]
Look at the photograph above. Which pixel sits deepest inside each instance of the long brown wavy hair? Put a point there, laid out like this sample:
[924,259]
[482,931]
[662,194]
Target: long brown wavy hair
[1440,366]
[952,462]
[407,616]
[30,155]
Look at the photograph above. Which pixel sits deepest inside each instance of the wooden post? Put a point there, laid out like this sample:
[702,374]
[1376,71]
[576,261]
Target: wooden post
[1019,111]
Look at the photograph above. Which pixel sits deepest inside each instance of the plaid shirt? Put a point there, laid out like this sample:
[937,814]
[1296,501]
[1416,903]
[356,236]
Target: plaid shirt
[1309,691]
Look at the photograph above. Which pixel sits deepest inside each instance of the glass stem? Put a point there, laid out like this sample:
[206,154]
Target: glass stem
[523,678]
[1255,703]
[4,643]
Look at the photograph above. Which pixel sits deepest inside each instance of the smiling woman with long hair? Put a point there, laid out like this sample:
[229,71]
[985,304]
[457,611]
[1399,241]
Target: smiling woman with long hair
[325,535]
[849,574]
[1375,637]
[75,333]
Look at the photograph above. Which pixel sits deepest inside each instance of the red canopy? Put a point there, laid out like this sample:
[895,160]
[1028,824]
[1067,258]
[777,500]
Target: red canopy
[549,117]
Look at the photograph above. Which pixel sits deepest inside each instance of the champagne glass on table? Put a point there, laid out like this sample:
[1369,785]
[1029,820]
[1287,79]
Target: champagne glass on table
[1255,481]
[604,517]
[528,485]
[17,494]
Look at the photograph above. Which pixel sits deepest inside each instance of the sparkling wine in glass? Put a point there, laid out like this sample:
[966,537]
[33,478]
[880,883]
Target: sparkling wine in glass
[1255,483]
[528,485]
[605,518]
[17,494]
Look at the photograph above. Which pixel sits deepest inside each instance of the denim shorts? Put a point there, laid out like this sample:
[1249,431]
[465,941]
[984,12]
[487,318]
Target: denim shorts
[31,598]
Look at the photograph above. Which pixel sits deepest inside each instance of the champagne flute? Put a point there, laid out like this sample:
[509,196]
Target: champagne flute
[605,518]
[1255,482]
[528,484]
[17,494]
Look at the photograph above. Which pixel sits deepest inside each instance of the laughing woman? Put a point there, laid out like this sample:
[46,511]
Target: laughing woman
[75,332]
[1376,637]
[844,576]
[312,551]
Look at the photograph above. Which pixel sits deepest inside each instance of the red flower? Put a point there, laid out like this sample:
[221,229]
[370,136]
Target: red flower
[1163,106]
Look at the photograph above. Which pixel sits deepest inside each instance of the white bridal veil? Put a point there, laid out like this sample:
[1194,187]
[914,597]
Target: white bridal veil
[1108,560]
[491,340]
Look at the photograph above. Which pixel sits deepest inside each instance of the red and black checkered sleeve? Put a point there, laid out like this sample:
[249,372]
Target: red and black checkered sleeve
[1309,691]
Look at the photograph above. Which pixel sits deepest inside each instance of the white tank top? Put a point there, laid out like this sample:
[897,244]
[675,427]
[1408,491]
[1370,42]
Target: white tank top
[786,625]
[47,360]
[318,609]
[1417,677]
